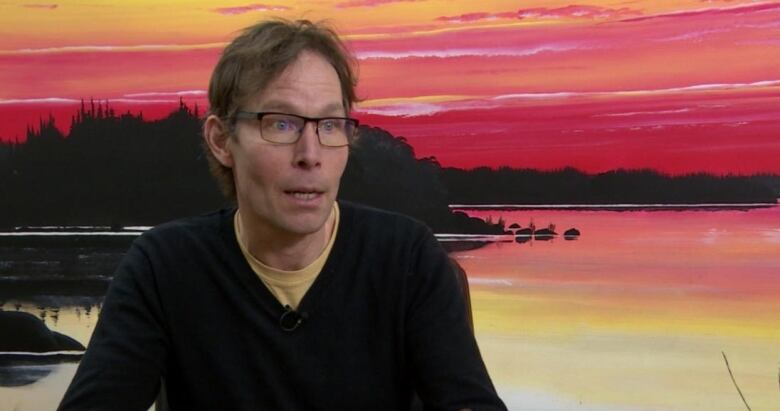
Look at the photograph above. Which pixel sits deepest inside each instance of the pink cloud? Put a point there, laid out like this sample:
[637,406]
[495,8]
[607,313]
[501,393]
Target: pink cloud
[573,11]
[249,8]
[576,11]
[370,3]
[41,6]
[715,11]
[470,17]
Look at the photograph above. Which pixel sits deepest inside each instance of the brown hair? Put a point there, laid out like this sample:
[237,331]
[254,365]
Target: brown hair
[259,54]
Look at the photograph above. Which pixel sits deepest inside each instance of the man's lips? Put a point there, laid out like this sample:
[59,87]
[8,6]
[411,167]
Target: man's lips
[305,194]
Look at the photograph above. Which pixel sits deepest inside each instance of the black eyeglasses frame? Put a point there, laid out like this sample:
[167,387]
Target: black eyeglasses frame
[258,115]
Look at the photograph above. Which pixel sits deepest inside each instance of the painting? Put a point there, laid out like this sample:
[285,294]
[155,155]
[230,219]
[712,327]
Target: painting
[605,172]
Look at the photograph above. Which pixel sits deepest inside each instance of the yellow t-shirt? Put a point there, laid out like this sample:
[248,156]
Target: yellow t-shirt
[289,287]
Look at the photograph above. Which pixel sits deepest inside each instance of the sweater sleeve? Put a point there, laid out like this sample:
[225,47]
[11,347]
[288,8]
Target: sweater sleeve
[447,369]
[125,358]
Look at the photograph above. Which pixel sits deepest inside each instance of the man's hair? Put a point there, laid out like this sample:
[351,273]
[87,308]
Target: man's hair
[256,57]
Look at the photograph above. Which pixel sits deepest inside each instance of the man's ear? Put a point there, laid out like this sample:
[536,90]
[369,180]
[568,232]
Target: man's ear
[217,137]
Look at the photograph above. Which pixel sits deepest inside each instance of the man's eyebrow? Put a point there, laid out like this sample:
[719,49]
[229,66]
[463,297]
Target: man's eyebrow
[332,109]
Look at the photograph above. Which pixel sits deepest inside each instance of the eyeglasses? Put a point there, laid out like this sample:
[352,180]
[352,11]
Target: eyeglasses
[282,128]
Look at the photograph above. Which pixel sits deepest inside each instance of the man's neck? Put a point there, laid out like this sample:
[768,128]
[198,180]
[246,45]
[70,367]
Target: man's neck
[282,250]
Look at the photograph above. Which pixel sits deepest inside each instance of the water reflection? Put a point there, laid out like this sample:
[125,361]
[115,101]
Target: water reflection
[20,375]
[30,382]
[635,313]
[61,281]
[45,393]
[74,321]
[619,319]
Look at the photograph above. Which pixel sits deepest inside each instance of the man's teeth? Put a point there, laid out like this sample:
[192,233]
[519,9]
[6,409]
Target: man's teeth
[304,195]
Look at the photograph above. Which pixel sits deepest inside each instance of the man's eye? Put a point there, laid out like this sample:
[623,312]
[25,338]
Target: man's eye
[283,125]
[328,125]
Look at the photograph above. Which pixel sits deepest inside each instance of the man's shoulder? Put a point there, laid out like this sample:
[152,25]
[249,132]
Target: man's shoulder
[201,227]
[364,216]
[381,228]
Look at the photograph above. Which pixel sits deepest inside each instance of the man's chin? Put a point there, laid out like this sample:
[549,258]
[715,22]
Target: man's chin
[303,228]
[306,223]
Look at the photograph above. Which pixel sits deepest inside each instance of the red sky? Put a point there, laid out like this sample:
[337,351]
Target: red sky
[680,88]
[718,131]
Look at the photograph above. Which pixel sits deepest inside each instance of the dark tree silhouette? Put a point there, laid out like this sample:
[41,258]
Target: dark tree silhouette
[569,186]
[383,172]
[109,170]
[121,170]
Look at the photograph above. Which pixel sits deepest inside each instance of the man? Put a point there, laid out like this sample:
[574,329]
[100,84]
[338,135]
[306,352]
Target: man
[294,300]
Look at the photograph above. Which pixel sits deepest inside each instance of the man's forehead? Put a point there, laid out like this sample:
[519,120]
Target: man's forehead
[307,62]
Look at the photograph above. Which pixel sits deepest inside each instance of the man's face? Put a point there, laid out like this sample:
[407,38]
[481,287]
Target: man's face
[289,189]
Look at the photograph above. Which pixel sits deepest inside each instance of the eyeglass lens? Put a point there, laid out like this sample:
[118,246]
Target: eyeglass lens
[281,128]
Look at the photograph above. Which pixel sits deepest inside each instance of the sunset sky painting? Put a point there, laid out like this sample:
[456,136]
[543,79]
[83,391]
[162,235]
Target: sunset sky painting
[676,86]
[634,315]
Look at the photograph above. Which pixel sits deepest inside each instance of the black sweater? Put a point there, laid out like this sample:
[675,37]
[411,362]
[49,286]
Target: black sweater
[384,318]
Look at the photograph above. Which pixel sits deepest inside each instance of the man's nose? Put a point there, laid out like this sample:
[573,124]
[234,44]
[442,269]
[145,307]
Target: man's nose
[308,151]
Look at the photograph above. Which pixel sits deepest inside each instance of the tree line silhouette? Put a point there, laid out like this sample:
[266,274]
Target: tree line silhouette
[110,170]
[121,169]
[569,186]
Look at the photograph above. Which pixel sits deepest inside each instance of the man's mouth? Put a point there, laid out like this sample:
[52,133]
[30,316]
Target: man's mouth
[304,195]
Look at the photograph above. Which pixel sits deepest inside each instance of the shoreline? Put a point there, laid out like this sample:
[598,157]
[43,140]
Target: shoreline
[616,207]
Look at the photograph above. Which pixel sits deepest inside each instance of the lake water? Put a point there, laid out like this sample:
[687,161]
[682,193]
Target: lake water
[635,314]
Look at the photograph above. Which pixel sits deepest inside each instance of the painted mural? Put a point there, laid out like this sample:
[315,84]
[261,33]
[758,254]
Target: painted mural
[606,172]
